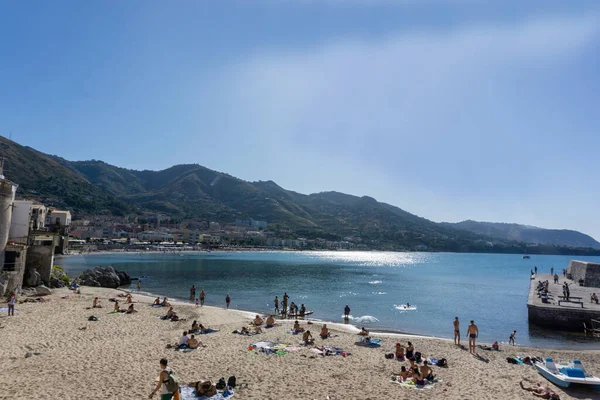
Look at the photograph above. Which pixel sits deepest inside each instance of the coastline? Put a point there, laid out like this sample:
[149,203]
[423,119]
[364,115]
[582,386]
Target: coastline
[117,356]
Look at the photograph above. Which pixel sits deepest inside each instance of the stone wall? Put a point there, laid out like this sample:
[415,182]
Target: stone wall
[11,276]
[41,258]
[587,271]
[568,319]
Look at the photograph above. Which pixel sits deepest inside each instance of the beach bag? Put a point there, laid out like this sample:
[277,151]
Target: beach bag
[172,383]
[389,355]
[231,382]
[221,384]
[442,363]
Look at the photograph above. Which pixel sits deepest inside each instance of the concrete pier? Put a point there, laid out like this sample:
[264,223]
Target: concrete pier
[566,316]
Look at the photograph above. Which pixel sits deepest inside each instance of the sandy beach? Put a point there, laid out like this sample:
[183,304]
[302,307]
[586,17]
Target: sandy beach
[117,357]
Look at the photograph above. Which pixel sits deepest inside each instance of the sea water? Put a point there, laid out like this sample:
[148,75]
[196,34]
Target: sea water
[490,289]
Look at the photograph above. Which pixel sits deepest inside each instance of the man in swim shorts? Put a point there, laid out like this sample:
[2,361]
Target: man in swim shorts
[456,331]
[472,333]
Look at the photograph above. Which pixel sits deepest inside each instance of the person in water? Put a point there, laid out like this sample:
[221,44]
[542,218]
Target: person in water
[456,324]
[472,334]
[347,312]
[276,303]
[227,300]
[202,294]
[511,338]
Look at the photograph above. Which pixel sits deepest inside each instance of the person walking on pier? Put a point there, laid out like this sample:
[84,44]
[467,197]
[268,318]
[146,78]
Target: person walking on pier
[472,334]
[456,331]
[511,339]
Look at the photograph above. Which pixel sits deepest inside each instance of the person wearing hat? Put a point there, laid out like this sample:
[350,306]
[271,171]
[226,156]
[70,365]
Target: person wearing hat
[399,351]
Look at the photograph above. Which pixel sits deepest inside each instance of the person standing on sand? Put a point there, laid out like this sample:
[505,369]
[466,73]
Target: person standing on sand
[162,383]
[202,298]
[11,304]
[227,300]
[511,339]
[192,292]
[456,331]
[472,334]
[347,312]
[139,285]
[276,302]
[196,302]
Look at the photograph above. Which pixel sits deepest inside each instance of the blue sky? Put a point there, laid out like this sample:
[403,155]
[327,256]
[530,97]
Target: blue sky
[448,109]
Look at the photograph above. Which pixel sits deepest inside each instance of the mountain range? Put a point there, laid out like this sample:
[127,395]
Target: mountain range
[194,191]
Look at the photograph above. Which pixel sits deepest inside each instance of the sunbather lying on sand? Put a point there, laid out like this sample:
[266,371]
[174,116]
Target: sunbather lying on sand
[203,329]
[297,328]
[96,303]
[270,321]
[324,332]
[540,391]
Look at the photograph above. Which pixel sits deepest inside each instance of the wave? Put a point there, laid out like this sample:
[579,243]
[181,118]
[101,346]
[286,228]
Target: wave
[374,282]
[379,292]
[403,307]
[363,319]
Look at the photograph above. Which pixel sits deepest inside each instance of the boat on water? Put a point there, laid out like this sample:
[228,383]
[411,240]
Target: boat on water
[526,257]
[567,375]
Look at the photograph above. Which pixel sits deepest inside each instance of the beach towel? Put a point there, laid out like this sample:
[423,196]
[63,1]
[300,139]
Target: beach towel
[295,333]
[370,343]
[411,384]
[250,333]
[157,305]
[208,331]
[5,309]
[185,350]
[189,393]
[330,351]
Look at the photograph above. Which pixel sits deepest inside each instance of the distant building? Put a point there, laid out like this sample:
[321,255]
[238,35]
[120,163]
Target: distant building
[59,220]
[154,236]
[209,239]
[20,223]
[252,223]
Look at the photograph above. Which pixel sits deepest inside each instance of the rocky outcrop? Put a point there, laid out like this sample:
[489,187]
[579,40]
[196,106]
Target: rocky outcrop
[57,283]
[32,278]
[104,277]
[37,291]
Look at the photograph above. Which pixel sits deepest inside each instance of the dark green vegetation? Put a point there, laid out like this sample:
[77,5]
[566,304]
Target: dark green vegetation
[528,234]
[193,191]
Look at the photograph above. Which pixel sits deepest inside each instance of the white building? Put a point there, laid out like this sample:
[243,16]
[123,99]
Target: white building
[21,220]
[153,236]
[58,218]
[38,217]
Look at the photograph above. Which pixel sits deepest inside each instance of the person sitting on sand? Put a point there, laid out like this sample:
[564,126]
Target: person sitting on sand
[540,391]
[410,351]
[258,321]
[324,332]
[594,298]
[307,338]
[495,346]
[404,373]
[170,313]
[417,376]
[131,310]
[203,329]
[297,327]
[363,332]
[399,352]
[183,340]
[129,298]
[194,343]
[245,330]
[165,303]
[270,321]
[156,302]
[117,308]
[426,371]
[96,303]
[195,326]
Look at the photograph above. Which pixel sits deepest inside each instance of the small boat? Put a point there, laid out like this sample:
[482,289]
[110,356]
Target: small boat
[526,257]
[567,374]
